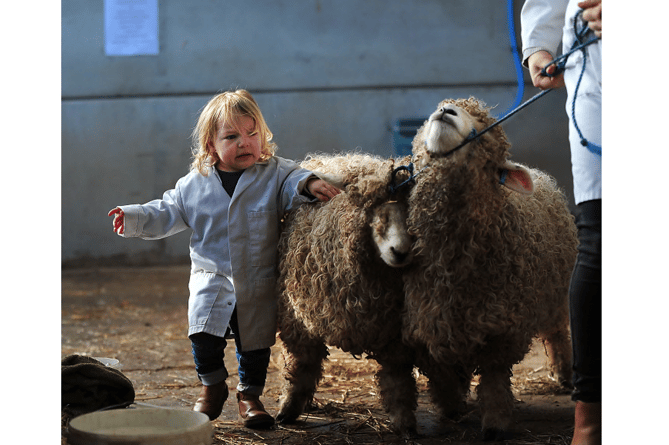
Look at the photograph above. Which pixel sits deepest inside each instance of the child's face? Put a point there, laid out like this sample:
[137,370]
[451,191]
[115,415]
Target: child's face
[236,150]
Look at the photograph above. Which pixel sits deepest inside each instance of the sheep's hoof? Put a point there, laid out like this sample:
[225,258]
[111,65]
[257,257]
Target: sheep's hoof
[456,413]
[409,434]
[563,379]
[495,434]
[566,383]
[405,430]
[286,418]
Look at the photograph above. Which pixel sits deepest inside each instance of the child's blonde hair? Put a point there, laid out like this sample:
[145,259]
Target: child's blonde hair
[222,109]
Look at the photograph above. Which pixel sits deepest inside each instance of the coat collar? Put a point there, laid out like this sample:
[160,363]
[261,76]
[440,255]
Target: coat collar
[248,176]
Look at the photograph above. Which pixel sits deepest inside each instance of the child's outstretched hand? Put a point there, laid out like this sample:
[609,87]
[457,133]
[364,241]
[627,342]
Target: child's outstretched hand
[321,189]
[118,219]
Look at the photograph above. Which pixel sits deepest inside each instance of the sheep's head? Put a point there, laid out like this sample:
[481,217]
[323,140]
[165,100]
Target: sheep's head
[450,125]
[447,128]
[390,233]
[365,180]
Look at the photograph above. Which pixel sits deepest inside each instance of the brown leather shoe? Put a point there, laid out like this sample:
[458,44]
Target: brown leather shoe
[211,400]
[252,412]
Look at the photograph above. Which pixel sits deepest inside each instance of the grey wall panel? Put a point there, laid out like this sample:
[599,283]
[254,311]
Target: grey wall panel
[206,46]
[119,152]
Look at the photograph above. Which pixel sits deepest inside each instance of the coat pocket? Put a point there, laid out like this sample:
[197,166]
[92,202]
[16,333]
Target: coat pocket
[264,238]
[206,289]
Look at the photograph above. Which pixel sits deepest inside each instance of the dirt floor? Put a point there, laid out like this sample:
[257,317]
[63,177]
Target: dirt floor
[138,316]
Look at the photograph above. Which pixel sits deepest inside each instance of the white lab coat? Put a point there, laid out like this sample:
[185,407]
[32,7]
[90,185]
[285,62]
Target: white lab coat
[544,25]
[233,246]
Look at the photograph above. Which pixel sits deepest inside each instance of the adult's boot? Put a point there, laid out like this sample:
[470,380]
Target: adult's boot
[587,424]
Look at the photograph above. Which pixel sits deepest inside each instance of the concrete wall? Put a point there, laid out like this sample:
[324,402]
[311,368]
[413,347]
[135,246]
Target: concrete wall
[329,76]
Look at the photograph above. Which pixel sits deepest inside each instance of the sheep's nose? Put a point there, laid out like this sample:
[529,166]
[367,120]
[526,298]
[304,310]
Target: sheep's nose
[448,110]
[401,256]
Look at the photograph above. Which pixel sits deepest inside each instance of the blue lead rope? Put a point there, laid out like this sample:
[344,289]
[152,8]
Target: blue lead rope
[580,44]
[394,188]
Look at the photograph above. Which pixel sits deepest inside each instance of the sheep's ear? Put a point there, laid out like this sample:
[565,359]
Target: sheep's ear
[517,178]
[338,180]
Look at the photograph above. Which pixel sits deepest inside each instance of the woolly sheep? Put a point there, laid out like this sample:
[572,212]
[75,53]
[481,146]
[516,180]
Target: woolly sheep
[492,263]
[337,286]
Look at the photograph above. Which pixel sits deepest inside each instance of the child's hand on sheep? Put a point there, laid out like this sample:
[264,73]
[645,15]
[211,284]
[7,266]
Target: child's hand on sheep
[536,62]
[321,189]
[118,219]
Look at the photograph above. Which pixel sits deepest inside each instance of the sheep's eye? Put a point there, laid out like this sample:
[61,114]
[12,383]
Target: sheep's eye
[451,112]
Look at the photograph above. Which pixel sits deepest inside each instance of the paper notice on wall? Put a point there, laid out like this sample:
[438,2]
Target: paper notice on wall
[131,27]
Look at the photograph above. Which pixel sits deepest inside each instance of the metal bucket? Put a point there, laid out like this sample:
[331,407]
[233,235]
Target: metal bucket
[141,427]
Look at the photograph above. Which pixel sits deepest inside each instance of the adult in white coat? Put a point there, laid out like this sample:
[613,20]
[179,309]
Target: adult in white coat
[546,24]
[233,200]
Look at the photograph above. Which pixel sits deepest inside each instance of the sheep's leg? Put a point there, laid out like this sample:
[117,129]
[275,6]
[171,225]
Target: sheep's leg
[448,385]
[558,348]
[448,388]
[495,400]
[398,391]
[302,371]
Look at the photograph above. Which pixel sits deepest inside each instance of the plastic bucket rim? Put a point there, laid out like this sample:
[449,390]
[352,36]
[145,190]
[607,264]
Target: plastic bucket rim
[87,433]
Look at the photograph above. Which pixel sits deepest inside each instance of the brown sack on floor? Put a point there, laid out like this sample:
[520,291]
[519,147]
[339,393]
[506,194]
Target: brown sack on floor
[88,385]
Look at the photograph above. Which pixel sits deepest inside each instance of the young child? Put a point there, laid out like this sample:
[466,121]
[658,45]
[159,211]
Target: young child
[233,200]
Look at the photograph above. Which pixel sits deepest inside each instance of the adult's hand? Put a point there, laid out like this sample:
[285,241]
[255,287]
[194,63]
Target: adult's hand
[536,62]
[592,13]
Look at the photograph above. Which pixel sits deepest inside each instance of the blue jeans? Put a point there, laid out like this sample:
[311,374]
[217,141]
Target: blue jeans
[585,304]
[208,353]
